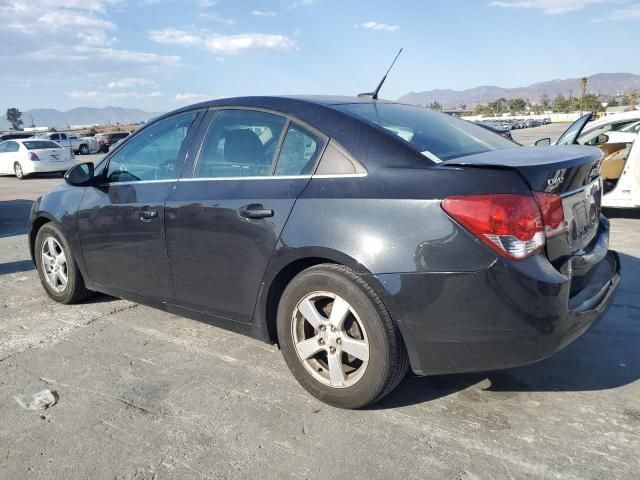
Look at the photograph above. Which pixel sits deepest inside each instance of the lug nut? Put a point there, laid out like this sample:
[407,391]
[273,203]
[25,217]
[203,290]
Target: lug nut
[332,349]
[321,341]
[338,340]
[323,327]
[333,329]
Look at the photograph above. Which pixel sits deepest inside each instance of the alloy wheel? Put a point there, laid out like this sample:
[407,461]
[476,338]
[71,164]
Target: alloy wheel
[54,264]
[17,169]
[330,339]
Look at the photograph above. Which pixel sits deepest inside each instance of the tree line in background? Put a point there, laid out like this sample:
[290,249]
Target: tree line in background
[560,104]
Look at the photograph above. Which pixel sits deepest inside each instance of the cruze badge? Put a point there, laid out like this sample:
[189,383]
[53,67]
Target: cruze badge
[552,182]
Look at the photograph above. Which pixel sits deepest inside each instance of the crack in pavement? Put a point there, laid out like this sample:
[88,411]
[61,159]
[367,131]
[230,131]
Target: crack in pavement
[76,326]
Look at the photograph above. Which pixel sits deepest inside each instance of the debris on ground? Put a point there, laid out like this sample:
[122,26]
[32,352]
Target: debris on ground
[38,401]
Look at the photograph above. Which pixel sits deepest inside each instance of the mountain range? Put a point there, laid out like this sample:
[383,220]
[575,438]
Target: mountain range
[604,84]
[42,117]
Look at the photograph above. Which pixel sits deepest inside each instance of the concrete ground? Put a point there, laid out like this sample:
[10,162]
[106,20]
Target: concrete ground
[528,136]
[148,395]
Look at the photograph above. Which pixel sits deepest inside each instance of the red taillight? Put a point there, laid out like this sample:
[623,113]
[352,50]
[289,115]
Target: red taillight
[33,157]
[552,213]
[510,224]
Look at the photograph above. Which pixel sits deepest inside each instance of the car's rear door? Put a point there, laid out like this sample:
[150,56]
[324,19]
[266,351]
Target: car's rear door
[225,216]
[121,220]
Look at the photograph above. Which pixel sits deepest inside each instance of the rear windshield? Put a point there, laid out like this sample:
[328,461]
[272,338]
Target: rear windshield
[437,136]
[40,144]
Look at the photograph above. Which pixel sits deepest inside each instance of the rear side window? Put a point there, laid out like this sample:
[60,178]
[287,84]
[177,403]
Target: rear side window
[299,152]
[436,135]
[40,144]
[240,143]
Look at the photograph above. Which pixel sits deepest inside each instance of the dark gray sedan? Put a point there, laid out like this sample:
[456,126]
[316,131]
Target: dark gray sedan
[363,237]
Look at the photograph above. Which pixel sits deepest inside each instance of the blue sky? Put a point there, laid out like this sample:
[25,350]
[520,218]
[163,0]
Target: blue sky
[161,54]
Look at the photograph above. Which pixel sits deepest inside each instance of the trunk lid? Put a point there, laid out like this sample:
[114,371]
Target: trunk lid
[571,171]
[52,154]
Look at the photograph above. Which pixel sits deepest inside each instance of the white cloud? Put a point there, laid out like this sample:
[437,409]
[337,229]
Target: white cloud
[223,44]
[45,38]
[101,96]
[217,18]
[632,12]
[129,82]
[380,26]
[263,13]
[552,7]
[190,97]
[303,3]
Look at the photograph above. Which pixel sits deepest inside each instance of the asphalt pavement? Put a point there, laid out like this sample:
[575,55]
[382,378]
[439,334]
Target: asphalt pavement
[147,395]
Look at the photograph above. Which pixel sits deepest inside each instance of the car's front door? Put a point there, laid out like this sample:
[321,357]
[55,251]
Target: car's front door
[224,218]
[121,219]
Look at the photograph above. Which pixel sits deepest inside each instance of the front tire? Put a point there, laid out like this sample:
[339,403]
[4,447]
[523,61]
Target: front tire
[338,338]
[17,170]
[84,150]
[58,271]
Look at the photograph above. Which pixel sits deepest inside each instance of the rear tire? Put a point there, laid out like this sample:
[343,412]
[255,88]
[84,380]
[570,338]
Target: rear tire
[350,359]
[84,150]
[58,271]
[17,170]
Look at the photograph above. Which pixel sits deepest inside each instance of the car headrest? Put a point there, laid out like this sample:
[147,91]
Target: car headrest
[243,146]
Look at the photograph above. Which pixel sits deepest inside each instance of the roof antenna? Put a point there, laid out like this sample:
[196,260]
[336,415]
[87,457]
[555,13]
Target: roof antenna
[374,95]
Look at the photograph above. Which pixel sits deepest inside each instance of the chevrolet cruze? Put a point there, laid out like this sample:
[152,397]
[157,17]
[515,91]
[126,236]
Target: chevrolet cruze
[364,237]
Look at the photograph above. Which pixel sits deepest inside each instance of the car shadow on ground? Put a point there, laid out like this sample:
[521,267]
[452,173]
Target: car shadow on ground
[16,267]
[14,217]
[604,358]
[621,212]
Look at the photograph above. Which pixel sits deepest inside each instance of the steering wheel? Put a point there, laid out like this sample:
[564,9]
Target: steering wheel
[122,176]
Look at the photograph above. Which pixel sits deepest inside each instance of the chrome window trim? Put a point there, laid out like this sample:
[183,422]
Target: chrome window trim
[265,177]
[138,182]
[272,177]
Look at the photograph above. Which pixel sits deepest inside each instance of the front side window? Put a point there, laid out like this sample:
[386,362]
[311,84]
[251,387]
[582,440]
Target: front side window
[152,154]
[433,134]
[299,152]
[240,143]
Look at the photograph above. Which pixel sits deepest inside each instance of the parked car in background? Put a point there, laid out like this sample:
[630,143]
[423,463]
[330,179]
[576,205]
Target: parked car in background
[82,146]
[105,140]
[546,121]
[617,137]
[22,157]
[501,129]
[14,135]
[361,236]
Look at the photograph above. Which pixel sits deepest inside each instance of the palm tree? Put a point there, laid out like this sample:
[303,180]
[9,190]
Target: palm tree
[583,89]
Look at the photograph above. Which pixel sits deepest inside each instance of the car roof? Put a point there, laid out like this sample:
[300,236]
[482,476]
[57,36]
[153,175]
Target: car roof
[614,118]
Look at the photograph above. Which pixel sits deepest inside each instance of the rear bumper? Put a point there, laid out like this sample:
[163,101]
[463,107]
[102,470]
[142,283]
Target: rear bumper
[505,316]
[43,167]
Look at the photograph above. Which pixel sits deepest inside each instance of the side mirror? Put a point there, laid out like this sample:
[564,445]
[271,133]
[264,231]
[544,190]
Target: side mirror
[80,175]
[602,139]
[543,142]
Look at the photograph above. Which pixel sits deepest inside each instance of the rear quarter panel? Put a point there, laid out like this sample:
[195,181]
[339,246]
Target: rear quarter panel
[391,221]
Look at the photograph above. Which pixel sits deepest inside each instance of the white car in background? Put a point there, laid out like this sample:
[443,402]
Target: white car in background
[617,136]
[22,157]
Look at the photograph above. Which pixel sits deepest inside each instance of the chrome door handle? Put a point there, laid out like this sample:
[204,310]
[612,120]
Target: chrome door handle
[255,211]
[148,215]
